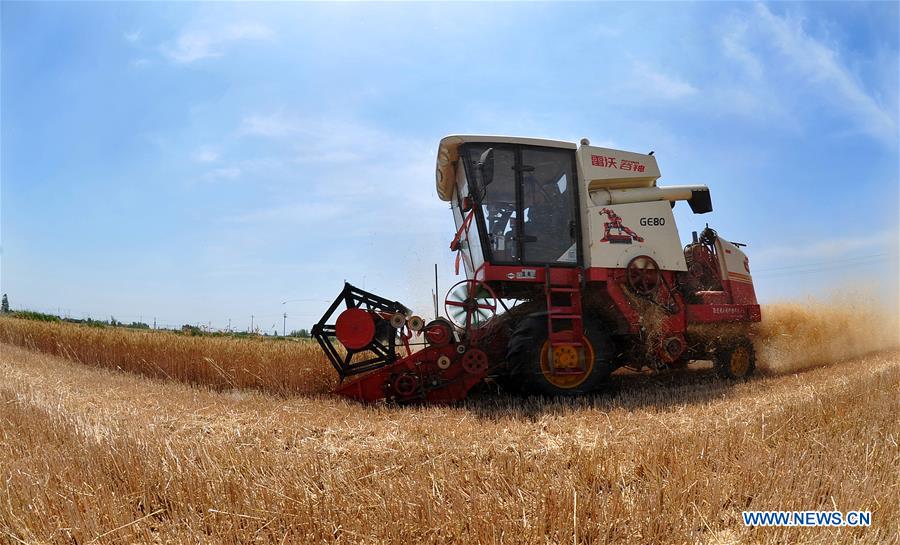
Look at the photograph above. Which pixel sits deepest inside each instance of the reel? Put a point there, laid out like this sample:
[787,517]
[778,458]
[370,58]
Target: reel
[367,330]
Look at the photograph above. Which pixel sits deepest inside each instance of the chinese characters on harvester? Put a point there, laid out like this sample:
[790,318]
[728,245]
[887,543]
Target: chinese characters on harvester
[612,162]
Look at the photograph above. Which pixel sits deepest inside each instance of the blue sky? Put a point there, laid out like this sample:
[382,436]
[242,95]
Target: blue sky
[205,162]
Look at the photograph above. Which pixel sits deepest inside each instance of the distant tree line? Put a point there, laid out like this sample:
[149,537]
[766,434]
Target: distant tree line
[186,329]
[44,317]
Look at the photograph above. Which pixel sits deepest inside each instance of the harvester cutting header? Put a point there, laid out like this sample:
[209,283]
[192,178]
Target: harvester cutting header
[574,267]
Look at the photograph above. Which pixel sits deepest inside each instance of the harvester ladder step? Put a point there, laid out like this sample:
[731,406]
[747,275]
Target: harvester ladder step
[565,322]
[565,338]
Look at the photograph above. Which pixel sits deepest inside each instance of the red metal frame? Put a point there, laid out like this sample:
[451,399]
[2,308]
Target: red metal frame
[446,371]
[742,305]
[433,384]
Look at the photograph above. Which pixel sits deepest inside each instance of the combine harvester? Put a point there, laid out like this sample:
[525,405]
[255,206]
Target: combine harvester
[574,268]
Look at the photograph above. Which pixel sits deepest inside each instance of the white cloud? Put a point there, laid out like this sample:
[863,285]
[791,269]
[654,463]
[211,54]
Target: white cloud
[734,46]
[656,84]
[133,36]
[836,247]
[194,45]
[820,66]
[248,31]
[270,126]
[318,140]
[190,47]
[347,163]
[294,213]
[221,174]
[205,155]
[605,30]
[780,72]
[307,155]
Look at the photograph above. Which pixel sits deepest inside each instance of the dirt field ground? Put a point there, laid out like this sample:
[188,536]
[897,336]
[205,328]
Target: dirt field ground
[94,455]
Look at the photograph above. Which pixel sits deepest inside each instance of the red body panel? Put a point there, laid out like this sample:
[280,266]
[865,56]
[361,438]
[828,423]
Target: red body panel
[742,292]
[716,313]
[444,385]
[735,303]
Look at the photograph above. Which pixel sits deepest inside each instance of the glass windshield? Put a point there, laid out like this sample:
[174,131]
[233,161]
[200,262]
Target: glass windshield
[545,199]
[548,202]
[498,204]
[471,249]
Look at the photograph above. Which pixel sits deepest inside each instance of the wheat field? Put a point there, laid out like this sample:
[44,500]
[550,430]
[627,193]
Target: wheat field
[286,366]
[89,454]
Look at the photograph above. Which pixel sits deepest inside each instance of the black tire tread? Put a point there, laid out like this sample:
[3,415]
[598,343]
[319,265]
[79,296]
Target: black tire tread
[523,359]
[722,358]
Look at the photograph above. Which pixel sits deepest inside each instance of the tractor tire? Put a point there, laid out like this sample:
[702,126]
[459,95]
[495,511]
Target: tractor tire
[735,359]
[526,349]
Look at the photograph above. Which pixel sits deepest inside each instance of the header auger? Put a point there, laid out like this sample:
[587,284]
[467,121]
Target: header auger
[574,268]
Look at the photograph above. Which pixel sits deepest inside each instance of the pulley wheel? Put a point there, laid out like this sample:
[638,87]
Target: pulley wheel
[415,323]
[406,384]
[671,349]
[443,363]
[475,361]
[643,275]
[438,332]
[398,320]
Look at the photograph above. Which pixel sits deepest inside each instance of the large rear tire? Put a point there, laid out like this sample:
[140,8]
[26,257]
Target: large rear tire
[527,359]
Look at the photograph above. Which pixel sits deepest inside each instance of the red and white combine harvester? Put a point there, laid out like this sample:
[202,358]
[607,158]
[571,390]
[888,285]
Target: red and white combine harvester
[574,268]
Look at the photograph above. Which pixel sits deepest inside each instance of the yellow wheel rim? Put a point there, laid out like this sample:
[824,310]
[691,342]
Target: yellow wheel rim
[740,361]
[568,361]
